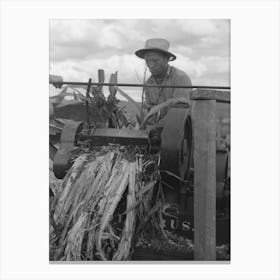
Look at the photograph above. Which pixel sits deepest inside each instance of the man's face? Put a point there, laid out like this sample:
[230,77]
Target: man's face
[156,62]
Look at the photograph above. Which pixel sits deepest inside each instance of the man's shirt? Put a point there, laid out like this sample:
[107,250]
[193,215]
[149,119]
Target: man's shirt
[173,77]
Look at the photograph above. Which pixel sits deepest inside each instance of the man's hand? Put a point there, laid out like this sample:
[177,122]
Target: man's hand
[175,102]
[181,101]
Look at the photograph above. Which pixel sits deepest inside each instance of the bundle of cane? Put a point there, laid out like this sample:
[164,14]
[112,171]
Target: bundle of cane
[100,187]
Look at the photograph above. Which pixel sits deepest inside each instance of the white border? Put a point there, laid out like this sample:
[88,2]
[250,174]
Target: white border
[255,138]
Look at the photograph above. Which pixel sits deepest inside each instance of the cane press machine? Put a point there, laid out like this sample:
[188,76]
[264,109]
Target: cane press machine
[175,143]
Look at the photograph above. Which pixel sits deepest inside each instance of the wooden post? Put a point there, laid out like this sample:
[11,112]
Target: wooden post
[204,179]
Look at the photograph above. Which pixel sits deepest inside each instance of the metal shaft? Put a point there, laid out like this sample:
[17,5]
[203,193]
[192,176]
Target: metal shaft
[87,99]
[142,85]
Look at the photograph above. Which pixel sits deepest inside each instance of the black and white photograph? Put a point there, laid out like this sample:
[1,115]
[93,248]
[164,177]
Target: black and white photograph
[139,140]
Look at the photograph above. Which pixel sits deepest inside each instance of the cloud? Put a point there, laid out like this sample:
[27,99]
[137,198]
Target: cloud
[78,48]
[217,64]
[194,68]
[127,66]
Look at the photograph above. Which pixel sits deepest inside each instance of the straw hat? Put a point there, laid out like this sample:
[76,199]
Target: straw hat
[157,45]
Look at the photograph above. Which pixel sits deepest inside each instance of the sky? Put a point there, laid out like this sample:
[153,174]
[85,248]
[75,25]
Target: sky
[78,48]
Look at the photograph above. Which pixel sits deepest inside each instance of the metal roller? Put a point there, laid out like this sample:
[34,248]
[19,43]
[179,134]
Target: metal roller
[176,142]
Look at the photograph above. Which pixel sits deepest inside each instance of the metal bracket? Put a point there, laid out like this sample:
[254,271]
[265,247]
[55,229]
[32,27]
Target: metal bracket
[62,160]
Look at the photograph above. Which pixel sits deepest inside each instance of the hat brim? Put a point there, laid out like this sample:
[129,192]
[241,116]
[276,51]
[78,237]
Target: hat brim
[141,53]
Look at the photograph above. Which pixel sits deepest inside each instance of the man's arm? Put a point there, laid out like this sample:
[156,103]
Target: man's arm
[183,80]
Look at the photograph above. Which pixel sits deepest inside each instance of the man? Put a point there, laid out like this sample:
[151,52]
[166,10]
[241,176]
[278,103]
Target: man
[157,56]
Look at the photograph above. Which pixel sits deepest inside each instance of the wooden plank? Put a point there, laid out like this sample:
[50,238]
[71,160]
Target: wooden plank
[207,94]
[205,179]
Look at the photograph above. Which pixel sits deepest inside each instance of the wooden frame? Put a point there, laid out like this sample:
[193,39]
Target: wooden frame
[204,123]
